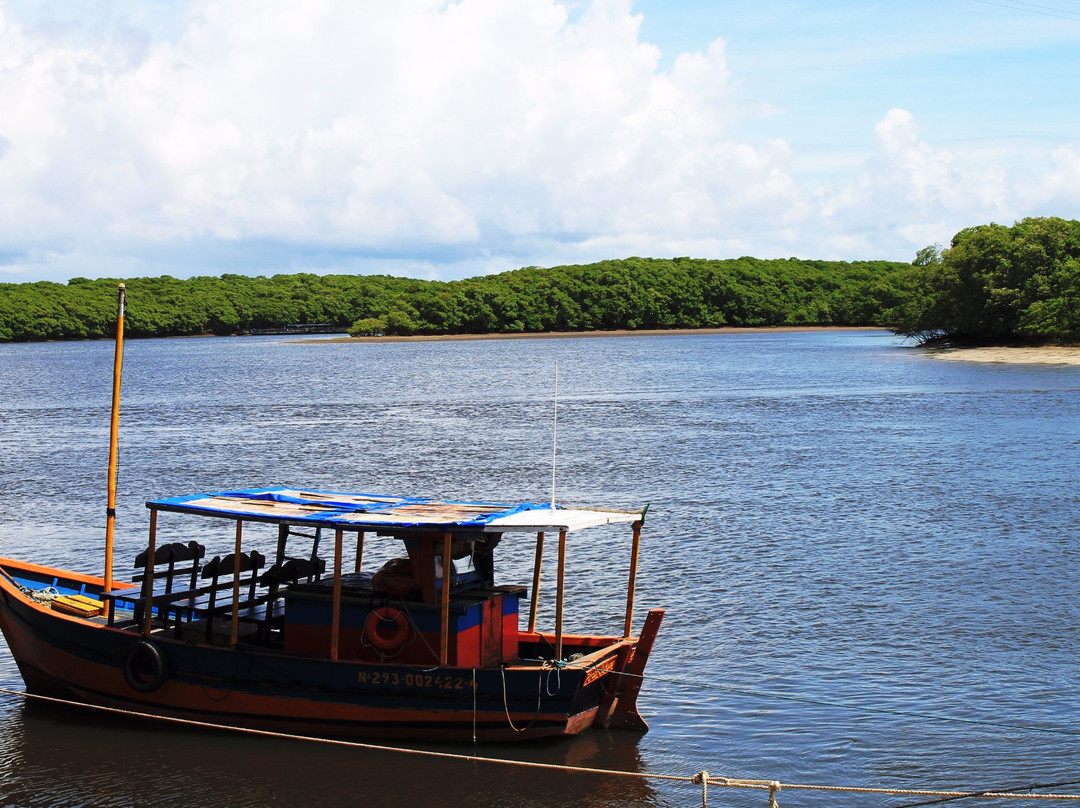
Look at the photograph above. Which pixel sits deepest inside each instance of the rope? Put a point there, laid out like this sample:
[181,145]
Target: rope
[556,666]
[46,595]
[991,791]
[774,786]
[506,704]
[702,778]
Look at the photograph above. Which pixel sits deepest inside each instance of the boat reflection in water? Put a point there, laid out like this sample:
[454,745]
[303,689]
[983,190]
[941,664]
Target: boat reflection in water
[133,762]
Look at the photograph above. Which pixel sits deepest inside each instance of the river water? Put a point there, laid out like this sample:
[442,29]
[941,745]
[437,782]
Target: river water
[868,555]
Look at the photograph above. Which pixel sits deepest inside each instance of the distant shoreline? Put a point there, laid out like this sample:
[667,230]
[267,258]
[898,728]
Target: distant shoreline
[662,332]
[1044,355]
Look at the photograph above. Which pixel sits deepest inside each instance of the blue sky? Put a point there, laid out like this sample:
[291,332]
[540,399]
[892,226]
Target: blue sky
[443,140]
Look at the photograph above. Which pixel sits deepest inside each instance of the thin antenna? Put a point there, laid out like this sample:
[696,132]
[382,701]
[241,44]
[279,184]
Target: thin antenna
[555,435]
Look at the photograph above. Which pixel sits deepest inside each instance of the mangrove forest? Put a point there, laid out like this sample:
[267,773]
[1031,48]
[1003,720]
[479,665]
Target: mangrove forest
[993,283]
[635,293]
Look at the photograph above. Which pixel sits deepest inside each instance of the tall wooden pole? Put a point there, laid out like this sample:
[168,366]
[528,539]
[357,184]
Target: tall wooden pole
[114,437]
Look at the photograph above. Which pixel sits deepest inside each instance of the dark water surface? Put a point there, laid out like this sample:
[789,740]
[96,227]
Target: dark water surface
[854,542]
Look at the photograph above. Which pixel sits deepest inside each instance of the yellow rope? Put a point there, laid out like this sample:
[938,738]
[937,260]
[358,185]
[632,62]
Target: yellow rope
[773,786]
[702,778]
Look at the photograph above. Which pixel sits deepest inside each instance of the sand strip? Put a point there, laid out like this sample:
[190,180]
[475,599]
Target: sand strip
[1045,355]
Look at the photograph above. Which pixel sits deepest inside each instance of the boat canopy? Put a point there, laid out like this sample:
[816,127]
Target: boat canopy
[388,513]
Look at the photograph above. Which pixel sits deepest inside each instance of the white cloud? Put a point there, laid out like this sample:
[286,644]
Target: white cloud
[1060,184]
[446,137]
[909,192]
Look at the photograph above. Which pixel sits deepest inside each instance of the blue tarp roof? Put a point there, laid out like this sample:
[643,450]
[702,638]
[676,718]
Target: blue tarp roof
[377,512]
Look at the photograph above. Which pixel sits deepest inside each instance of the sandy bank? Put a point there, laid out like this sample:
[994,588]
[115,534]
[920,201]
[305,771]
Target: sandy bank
[1047,355]
[678,332]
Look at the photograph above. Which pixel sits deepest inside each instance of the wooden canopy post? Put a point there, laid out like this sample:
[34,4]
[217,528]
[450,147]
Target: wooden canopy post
[559,596]
[282,541]
[335,613]
[447,561]
[114,437]
[234,627]
[538,561]
[148,574]
[359,550]
[630,587]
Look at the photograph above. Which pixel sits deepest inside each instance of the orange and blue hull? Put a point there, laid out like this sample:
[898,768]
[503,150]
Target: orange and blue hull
[87,660]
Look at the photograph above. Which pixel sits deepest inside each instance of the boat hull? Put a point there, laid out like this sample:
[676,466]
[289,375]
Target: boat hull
[89,661]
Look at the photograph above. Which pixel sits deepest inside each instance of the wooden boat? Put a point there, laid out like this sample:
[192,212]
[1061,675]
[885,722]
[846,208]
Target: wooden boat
[430,646]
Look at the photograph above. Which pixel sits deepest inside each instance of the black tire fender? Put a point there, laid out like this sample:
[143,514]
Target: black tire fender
[145,668]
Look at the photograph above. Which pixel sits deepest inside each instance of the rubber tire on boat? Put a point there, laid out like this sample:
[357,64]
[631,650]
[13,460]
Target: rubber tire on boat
[388,643]
[145,658]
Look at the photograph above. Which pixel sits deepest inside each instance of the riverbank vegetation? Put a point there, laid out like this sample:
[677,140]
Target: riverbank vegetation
[633,294]
[993,284]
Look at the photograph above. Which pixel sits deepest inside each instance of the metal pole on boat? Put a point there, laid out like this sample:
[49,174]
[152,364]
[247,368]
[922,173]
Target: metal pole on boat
[537,563]
[560,591]
[630,587]
[114,436]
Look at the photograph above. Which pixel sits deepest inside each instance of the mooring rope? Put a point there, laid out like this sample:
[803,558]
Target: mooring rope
[702,778]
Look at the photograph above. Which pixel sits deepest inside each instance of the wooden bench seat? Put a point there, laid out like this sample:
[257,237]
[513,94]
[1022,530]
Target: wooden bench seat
[201,607]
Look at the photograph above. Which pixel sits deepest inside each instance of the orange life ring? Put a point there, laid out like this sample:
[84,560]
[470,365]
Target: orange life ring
[387,640]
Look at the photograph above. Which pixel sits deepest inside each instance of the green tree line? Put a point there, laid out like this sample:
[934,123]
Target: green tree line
[635,293]
[997,284]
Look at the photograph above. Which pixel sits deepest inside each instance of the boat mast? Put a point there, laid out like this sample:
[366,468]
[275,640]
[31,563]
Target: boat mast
[114,436]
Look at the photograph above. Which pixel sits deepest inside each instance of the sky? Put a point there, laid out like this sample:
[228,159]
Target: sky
[444,140]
